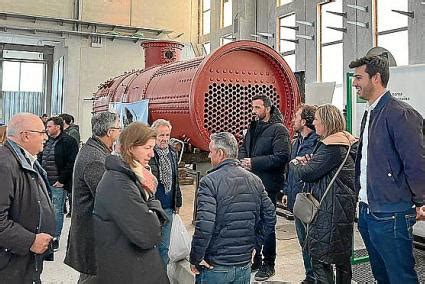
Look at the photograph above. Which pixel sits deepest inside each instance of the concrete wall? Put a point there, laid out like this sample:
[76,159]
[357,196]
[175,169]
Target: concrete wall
[171,15]
[52,8]
[416,32]
[85,67]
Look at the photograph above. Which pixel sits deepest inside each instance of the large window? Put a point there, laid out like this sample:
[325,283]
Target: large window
[22,76]
[287,39]
[392,29]
[206,16]
[226,13]
[331,59]
[23,84]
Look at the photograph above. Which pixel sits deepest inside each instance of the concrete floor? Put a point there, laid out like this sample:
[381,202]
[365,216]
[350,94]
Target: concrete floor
[289,266]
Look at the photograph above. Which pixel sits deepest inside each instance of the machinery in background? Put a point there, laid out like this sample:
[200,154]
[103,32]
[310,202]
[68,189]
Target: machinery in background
[204,95]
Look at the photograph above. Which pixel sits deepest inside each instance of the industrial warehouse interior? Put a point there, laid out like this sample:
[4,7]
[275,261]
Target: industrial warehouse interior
[199,65]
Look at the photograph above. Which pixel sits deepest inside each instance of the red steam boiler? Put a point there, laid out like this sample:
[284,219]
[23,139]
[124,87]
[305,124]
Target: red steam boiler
[207,94]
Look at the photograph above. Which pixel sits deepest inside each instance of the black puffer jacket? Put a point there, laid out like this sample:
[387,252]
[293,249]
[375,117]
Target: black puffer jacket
[66,151]
[268,146]
[234,212]
[330,235]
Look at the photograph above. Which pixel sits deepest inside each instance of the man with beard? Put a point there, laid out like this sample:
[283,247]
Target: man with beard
[265,151]
[390,174]
[303,145]
[58,159]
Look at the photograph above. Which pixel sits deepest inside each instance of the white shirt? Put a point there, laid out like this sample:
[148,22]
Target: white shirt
[363,161]
[30,157]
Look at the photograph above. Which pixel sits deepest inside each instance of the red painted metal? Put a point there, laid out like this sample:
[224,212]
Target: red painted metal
[161,52]
[206,95]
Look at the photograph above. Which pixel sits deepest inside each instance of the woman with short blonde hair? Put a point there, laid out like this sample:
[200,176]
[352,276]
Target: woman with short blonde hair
[332,119]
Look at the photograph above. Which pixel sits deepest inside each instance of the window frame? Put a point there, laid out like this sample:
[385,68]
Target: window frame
[203,12]
[377,33]
[289,52]
[339,86]
[222,14]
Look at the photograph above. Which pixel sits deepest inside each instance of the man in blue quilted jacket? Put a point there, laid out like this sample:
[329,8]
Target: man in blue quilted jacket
[233,214]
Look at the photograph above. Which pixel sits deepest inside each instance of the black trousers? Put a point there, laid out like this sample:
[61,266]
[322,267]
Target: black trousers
[269,246]
[323,272]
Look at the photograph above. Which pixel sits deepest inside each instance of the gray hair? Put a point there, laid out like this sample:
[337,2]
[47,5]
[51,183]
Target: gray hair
[226,142]
[19,122]
[102,122]
[161,122]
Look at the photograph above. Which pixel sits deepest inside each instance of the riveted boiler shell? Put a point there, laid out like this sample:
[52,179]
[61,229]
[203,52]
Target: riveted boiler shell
[211,94]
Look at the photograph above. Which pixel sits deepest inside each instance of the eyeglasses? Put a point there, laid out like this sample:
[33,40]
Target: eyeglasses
[115,128]
[36,131]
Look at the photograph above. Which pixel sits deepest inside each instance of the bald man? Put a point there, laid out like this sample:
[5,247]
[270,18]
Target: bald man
[27,219]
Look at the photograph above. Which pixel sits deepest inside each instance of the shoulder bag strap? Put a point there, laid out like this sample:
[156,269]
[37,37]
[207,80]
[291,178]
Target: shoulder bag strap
[337,172]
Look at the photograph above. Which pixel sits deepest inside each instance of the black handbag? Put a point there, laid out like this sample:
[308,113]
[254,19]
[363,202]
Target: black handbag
[306,205]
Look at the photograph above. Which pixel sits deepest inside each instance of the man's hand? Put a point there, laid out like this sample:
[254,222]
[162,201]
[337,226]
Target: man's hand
[202,263]
[285,200]
[41,243]
[420,213]
[58,184]
[246,163]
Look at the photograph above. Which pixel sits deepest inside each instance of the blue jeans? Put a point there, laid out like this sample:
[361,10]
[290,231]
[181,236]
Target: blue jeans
[225,274]
[269,246]
[164,245]
[58,200]
[301,234]
[388,239]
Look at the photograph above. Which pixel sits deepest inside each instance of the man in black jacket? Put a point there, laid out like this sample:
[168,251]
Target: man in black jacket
[266,151]
[72,130]
[27,220]
[58,159]
[233,214]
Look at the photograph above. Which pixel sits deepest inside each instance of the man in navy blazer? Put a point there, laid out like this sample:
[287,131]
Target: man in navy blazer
[390,174]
